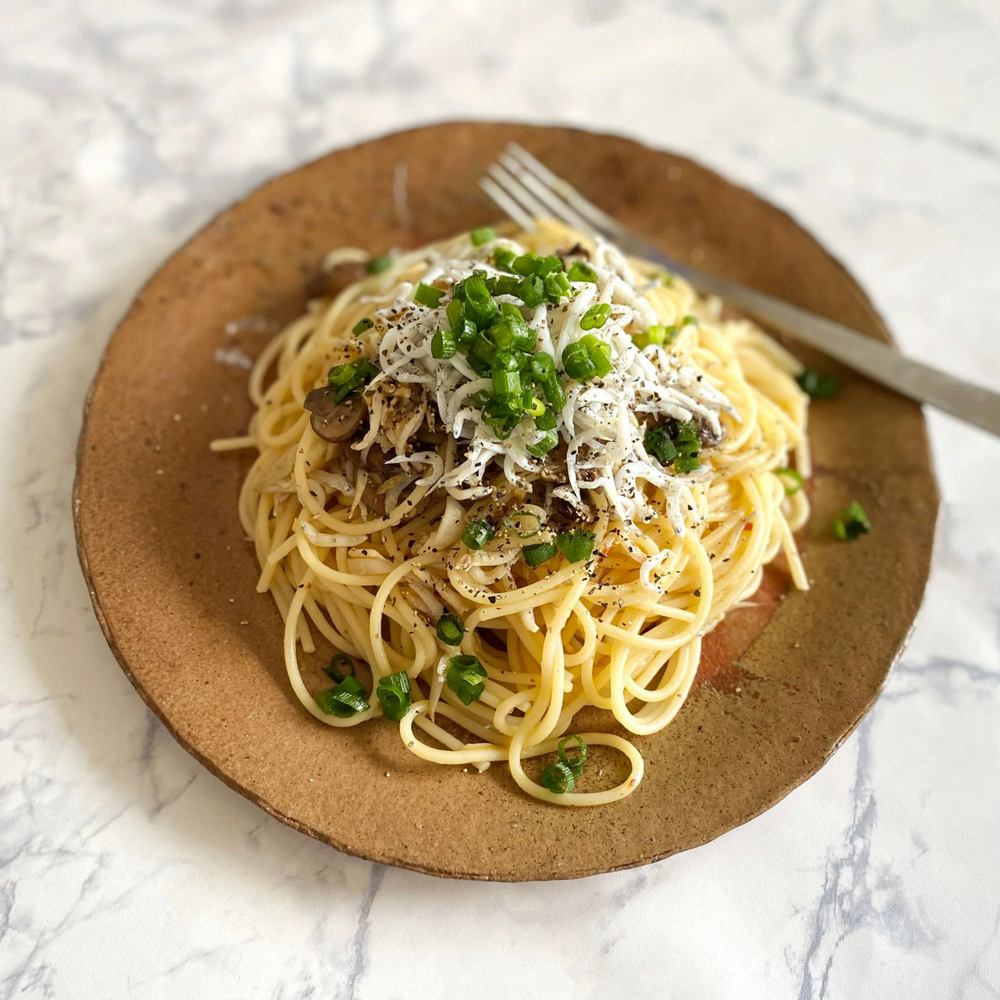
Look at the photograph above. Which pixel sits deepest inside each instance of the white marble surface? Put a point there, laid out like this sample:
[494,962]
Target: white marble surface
[128,871]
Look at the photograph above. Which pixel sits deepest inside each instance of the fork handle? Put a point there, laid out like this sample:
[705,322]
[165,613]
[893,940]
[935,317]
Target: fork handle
[972,403]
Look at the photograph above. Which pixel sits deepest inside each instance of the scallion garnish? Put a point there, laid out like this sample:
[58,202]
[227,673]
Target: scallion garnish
[561,777]
[546,420]
[595,317]
[582,272]
[479,304]
[523,523]
[466,676]
[450,629]
[341,374]
[791,480]
[546,441]
[599,352]
[393,694]
[482,235]
[535,555]
[339,667]
[504,258]
[379,264]
[658,444]
[576,545]
[686,440]
[531,290]
[428,295]
[477,534]
[444,344]
[344,700]
[556,286]
[577,363]
[851,523]
[362,325]
[817,386]
[349,378]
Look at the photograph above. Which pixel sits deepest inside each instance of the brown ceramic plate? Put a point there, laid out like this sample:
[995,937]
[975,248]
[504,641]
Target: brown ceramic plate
[172,577]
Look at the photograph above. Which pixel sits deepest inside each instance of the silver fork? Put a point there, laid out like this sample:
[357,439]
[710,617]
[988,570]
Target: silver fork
[526,189]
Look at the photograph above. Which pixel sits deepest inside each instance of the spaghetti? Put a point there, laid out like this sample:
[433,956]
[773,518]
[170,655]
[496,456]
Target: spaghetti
[516,476]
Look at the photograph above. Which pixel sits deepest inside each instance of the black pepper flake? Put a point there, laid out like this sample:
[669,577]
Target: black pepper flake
[697,593]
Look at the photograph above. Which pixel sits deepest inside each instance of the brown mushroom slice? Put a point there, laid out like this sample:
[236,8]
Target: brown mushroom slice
[333,421]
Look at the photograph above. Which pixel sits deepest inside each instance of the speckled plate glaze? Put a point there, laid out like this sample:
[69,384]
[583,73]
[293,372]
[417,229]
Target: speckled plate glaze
[172,577]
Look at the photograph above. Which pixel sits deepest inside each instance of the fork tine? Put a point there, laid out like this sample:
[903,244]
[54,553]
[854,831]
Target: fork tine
[552,201]
[511,207]
[581,205]
[517,191]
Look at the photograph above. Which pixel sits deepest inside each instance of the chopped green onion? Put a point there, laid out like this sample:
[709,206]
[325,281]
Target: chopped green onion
[582,272]
[576,545]
[851,523]
[543,445]
[818,386]
[505,383]
[339,667]
[466,676]
[554,394]
[341,374]
[556,286]
[362,325]
[485,346]
[525,264]
[794,481]
[599,353]
[444,344]
[450,629]
[546,420]
[531,290]
[535,555]
[657,334]
[535,408]
[596,316]
[477,534]
[482,235]
[542,366]
[558,778]
[659,445]
[687,432]
[504,258]
[523,523]
[561,777]
[479,304]
[379,264]
[689,320]
[349,378]
[548,265]
[344,700]
[505,284]
[576,362]
[394,695]
[455,313]
[480,366]
[482,397]
[428,295]
[686,463]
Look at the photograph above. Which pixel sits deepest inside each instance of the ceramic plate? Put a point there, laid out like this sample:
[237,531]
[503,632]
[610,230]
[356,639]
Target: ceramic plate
[172,576]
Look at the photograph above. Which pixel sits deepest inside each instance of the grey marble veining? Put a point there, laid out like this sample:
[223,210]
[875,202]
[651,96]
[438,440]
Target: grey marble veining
[128,871]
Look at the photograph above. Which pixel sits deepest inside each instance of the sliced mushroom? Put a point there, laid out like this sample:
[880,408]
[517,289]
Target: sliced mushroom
[331,420]
[374,500]
[333,282]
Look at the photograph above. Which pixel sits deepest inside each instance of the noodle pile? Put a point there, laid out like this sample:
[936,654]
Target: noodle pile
[360,541]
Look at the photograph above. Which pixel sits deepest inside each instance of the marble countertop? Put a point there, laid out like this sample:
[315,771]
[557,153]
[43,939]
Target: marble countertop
[126,869]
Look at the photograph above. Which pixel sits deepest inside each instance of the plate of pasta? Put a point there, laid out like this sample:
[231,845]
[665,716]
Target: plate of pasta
[485,549]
